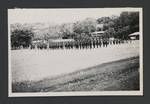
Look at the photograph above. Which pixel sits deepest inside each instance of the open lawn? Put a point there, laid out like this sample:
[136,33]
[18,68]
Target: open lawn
[112,76]
[112,68]
[35,65]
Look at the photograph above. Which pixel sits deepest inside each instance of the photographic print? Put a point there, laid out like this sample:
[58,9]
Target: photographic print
[75,51]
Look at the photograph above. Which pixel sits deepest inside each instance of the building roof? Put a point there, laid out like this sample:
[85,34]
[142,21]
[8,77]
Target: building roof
[98,32]
[62,40]
[135,34]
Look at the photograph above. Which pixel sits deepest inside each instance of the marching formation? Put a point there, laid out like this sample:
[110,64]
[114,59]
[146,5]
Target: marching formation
[78,44]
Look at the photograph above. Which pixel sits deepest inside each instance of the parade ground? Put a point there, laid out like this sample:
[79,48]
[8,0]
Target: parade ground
[57,67]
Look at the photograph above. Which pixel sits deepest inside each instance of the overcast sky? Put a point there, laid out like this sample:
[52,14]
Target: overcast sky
[59,16]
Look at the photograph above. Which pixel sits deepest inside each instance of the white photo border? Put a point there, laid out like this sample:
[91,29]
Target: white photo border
[81,93]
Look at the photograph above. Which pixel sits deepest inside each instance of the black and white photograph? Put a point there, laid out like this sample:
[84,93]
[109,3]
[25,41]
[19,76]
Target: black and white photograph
[75,51]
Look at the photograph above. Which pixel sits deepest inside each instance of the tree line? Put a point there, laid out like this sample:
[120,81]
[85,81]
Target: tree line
[118,27]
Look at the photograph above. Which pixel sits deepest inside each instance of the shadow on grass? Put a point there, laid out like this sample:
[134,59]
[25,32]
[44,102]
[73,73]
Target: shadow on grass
[112,76]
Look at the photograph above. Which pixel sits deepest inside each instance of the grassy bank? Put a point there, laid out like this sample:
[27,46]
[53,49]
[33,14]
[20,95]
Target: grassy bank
[117,75]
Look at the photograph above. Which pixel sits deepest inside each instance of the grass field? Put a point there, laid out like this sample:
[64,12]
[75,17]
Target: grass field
[76,70]
[34,65]
[112,76]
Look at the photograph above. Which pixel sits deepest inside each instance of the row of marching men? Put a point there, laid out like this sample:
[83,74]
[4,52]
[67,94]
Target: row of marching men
[78,44]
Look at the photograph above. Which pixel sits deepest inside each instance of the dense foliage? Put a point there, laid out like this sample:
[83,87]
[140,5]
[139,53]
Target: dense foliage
[115,26]
[21,38]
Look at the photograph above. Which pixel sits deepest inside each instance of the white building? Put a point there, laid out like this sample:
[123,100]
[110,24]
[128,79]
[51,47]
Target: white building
[134,36]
